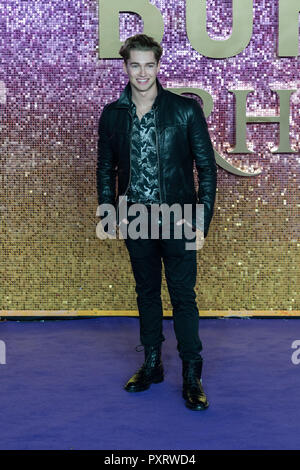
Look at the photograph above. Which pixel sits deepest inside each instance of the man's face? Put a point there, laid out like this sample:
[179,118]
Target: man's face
[142,69]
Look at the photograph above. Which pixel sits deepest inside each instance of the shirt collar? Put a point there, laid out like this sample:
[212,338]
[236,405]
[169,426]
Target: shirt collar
[133,108]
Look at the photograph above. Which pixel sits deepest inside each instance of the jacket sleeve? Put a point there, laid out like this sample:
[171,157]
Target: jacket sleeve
[206,166]
[106,165]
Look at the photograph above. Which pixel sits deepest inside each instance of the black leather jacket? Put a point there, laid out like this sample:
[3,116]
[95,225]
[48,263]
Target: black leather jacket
[182,137]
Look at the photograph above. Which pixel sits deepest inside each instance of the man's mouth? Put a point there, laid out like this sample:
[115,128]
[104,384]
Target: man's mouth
[142,81]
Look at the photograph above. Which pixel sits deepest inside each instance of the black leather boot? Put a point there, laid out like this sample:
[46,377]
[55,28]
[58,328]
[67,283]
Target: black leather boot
[192,388]
[150,372]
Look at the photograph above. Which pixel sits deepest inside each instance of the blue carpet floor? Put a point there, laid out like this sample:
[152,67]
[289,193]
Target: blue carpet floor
[62,387]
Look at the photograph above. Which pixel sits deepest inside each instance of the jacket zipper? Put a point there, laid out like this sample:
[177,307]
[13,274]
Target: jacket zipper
[129,162]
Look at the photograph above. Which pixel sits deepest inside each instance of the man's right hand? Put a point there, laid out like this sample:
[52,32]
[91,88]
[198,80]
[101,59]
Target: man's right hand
[102,234]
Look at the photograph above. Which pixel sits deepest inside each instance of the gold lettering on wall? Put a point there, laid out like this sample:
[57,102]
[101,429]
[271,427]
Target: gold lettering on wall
[242,25]
[208,105]
[288,36]
[109,34]
[241,120]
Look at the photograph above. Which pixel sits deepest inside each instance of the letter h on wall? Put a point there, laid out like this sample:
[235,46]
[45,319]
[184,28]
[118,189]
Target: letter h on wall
[241,120]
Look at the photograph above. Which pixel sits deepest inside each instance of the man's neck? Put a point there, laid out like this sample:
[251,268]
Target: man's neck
[144,99]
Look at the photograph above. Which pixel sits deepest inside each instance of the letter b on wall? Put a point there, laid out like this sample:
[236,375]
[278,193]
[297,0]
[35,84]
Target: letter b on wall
[109,35]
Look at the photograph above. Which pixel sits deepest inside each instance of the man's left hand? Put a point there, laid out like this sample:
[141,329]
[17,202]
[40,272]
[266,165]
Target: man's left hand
[199,234]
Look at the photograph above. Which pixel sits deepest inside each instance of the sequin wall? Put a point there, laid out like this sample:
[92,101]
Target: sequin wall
[52,90]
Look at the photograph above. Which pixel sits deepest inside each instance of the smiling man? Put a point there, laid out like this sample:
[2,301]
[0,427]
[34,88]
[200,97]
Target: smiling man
[150,138]
[142,70]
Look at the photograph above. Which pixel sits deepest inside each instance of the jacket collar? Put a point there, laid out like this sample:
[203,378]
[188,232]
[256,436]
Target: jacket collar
[125,98]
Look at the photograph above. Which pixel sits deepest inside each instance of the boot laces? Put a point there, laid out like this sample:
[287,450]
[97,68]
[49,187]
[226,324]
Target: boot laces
[149,359]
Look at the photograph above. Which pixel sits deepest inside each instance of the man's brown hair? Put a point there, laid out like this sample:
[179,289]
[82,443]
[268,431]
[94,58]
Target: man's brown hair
[140,42]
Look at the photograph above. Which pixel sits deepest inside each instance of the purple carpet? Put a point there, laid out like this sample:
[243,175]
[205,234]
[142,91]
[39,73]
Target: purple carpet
[62,387]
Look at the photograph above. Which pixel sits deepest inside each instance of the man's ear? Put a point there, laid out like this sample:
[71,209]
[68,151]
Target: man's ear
[124,66]
[158,66]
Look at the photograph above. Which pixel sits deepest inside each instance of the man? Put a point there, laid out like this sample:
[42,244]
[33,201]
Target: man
[150,138]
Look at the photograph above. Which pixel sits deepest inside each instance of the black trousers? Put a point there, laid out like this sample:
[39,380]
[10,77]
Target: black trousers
[146,256]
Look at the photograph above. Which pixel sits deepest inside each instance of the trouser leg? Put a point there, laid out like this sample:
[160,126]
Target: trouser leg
[181,272]
[146,266]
